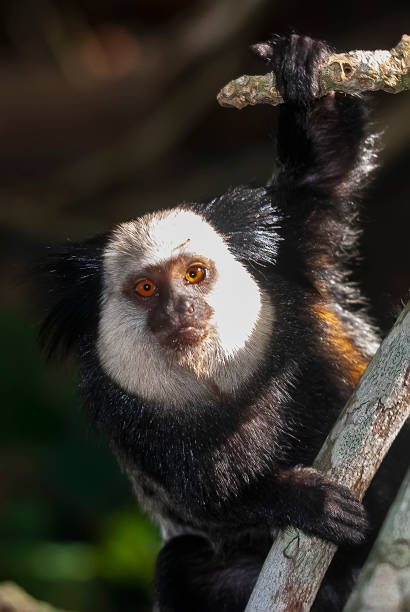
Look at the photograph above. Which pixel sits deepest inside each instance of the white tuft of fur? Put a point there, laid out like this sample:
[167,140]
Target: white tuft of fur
[240,327]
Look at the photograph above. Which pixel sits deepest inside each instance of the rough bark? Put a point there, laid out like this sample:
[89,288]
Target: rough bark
[384,583]
[351,455]
[352,72]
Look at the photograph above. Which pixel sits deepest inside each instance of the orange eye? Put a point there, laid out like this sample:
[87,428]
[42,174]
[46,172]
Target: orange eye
[195,274]
[145,287]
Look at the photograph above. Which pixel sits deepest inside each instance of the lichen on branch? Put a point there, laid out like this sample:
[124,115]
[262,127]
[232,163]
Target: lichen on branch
[352,72]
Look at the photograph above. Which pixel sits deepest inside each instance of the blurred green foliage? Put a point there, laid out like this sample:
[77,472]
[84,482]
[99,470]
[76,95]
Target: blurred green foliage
[70,530]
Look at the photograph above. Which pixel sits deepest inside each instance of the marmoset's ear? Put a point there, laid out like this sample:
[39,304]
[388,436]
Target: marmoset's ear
[72,278]
[248,221]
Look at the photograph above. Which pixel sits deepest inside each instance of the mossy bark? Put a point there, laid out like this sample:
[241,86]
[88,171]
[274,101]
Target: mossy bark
[352,72]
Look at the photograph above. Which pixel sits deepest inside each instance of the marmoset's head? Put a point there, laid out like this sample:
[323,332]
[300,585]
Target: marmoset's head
[169,301]
[176,299]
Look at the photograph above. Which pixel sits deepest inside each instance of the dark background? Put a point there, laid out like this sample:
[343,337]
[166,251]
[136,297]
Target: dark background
[107,110]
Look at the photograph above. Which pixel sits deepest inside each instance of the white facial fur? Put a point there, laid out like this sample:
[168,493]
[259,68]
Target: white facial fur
[241,324]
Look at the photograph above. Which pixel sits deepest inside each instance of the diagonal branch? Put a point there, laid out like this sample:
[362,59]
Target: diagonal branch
[384,580]
[352,72]
[351,455]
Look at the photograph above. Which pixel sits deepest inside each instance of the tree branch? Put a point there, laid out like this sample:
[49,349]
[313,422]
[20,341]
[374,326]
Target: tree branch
[351,455]
[352,72]
[384,582]
[14,599]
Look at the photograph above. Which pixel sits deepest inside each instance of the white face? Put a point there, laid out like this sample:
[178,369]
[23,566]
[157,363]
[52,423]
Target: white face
[233,316]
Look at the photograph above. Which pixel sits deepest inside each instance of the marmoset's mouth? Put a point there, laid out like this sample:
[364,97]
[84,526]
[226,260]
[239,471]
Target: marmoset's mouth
[186,335]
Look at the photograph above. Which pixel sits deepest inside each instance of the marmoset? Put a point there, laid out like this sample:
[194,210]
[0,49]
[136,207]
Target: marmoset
[218,342]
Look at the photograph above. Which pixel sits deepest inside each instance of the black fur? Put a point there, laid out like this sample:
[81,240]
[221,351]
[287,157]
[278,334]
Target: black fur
[74,284]
[233,472]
